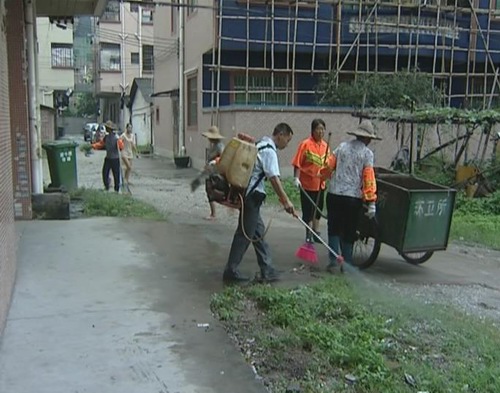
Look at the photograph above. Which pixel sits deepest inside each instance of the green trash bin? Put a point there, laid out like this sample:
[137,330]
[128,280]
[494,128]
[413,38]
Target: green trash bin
[61,156]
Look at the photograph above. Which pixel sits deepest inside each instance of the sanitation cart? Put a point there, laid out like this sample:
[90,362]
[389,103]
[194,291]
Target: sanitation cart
[413,216]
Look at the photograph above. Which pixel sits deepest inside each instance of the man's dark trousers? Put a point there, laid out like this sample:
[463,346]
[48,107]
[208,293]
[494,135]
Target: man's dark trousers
[111,164]
[254,228]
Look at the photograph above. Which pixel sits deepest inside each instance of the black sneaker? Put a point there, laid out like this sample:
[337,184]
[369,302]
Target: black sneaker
[268,277]
[331,267]
[229,277]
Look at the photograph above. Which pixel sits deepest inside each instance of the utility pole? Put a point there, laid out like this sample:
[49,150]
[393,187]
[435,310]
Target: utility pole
[139,39]
[34,123]
[181,149]
[123,84]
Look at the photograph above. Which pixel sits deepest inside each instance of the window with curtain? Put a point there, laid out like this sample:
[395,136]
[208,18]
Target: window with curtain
[147,58]
[111,12]
[110,57]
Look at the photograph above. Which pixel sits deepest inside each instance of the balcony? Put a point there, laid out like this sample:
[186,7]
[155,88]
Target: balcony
[65,8]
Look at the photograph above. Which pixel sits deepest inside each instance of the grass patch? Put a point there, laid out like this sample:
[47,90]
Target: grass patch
[292,192]
[316,335]
[112,204]
[144,149]
[477,229]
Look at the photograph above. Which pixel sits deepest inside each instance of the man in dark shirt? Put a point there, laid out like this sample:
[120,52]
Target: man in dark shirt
[112,144]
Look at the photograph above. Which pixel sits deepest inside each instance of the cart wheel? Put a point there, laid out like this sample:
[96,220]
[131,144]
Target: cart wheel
[417,258]
[367,246]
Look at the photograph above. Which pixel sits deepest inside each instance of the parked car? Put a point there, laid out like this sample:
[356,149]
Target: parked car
[89,131]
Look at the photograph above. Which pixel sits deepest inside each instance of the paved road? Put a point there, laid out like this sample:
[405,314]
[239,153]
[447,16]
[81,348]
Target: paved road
[112,305]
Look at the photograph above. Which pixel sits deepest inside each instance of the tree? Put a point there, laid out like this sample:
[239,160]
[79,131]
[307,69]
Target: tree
[380,91]
[85,104]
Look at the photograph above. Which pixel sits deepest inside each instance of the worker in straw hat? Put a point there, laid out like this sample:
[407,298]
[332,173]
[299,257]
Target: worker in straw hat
[352,185]
[214,151]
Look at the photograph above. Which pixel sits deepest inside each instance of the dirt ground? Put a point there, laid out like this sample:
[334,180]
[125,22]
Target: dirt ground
[463,276]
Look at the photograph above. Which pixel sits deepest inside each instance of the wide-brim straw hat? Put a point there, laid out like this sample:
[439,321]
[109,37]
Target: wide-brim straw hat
[110,125]
[365,129]
[213,133]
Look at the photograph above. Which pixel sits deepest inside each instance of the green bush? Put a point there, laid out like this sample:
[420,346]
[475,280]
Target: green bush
[381,91]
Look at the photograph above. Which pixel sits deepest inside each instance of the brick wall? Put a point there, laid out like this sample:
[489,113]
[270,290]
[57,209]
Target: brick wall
[259,122]
[18,92]
[8,239]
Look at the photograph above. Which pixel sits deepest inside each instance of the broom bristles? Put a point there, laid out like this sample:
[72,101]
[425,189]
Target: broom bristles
[307,253]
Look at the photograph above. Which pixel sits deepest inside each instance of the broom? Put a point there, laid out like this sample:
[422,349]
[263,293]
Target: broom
[307,251]
[304,251]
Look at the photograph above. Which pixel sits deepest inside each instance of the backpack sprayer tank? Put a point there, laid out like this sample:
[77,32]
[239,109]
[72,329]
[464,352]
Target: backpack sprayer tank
[237,161]
[234,169]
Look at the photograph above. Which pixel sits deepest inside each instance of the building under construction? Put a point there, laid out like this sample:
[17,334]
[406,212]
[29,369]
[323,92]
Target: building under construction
[269,56]
[274,52]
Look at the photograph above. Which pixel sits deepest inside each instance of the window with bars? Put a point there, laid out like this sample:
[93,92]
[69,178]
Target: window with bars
[110,59]
[147,58]
[191,6]
[263,89]
[192,101]
[111,12]
[283,3]
[62,55]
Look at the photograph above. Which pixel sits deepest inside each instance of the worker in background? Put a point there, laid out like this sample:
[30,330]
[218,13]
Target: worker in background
[111,143]
[251,228]
[352,183]
[214,151]
[310,158]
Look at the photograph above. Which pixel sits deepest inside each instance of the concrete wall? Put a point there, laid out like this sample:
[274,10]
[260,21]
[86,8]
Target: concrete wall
[141,120]
[165,78]
[259,122]
[48,124]
[8,239]
[73,125]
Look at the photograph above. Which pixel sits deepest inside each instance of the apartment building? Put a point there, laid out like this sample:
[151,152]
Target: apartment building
[251,64]
[125,51]
[55,60]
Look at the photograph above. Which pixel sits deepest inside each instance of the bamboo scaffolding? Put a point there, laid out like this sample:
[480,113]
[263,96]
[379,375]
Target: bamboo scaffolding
[415,66]
[315,38]
[369,24]
[247,69]
[356,42]
[219,55]
[452,57]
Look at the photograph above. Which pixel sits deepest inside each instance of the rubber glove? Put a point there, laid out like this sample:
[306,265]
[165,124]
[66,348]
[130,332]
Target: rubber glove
[296,182]
[371,209]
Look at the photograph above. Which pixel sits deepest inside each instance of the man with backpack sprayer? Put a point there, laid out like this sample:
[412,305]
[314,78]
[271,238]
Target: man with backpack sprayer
[251,228]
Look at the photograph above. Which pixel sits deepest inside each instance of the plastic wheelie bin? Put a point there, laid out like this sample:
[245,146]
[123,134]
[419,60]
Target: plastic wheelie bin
[61,156]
